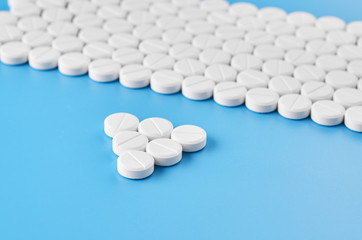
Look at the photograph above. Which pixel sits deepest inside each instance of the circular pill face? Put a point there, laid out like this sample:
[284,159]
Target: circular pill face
[307,73]
[341,79]
[261,100]
[43,58]
[320,47]
[253,79]
[197,88]
[135,76]
[192,138]
[127,56]
[73,64]
[294,106]
[278,67]
[118,122]
[317,91]
[104,70]
[66,44]
[166,152]
[189,67]
[327,113]
[14,53]
[128,140]
[166,82]
[284,85]
[220,73]
[154,128]
[229,94]
[353,118]
[135,164]
[348,97]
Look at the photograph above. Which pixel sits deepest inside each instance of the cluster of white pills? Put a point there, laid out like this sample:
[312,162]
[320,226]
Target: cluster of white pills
[295,63]
[154,141]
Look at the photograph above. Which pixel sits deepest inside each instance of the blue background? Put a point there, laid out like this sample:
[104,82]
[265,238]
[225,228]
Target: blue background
[261,177]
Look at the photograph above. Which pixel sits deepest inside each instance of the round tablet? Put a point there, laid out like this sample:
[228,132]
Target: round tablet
[87,21]
[121,40]
[261,100]
[309,33]
[355,28]
[359,85]
[111,12]
[284,85]
[192,138]
[127,56]
[294,106]
[7,18]
[37,39]
[197,88]
[348,97]
[243,62]
[227,32]
[329,23]
[89,35]
[317,91]
[206,41]
[220,73]
[278,67]
[73,64]
[189,67]
[268,52]
[341,79]
[259,37]
[166,82]
[236,46]
[65,44]
[184,50]
[353,118]
[251,23]
[330,63]
[299,57]
[141,17]
[43,58]
[57,14]
[166,152]
[119,122]
[355,67]
[104,70]
[132,5]
[81,7]
[272,14]
[62,29]
[307,73]
[300,19]
[170,22]
[252,79]
[114,26]
[175,36]
[158,61]
[25,10]
[350,52]
[98,50]
[151,46]
[32,23]
[230,94]
[135,76]
[163,8]
[128,140]
[220,18]
[327,113]
[321,47]
[10,33]
[135,164]
[214,5]
[185,3]
[154,128]
[340,37]
[45,4]
[241,9]
[289,42]
[214,56]
[280,28]
[147,31]
[192,13]
[14,53]
[197,27]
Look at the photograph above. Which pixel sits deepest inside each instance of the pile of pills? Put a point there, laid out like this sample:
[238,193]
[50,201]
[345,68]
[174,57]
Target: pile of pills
[294,63]
[154,141]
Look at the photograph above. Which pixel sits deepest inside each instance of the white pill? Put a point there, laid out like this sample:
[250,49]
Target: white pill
[89,35]
[307,73]
[45,4]
[330,23]
[353,118]
[350,52]
[114,26]
[294,106]
[197,88]
[241,9]
[43,58]
[280,28]
[25,10]
[141,18]
[170,22]
[214,5]
[10,33]
[230,94]
[252,79]
[132,5]
[73,64]
[300,19]
[104,2]
[14,53]
[355,67]
[188,67]
[321,47]
[272,14]
[278,67]
[340,37]
[121,40]
[261,100]
[147,31]
[13,3]
[7,18]
[104,70]
[341,79]
[185,3]
[97,50]
[65,44]
[166,82]
[37,39]
[220,18]
[348,97]
[128,140]
[299,57]
[197,27]
[192,138]
[243,62]
[355,28]
[192,13]
[135,76]
[163,9]
[81,7]
[151,46]
[220,73]
[259,38]
[359,85]
[158,61]
[119,122]
[214,56]
[175,36]
[309,33]
[236,46]
[127,56]
[57,14]
[111,12]
[166,152]
[268,52]
[154,128]
[359,43]
[87,21]
[284,85]
[327,113]
[62,29]
[330,63]
[32,23]
[250,24]
[288,42]
[227,32]
[183,51]
[206,41]
[135,164]
[317,91]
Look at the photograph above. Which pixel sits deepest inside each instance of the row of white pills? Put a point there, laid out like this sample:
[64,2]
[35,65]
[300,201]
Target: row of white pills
[154,141]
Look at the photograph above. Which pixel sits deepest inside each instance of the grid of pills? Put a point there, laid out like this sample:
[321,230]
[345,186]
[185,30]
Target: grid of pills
[154,141]
[294,63]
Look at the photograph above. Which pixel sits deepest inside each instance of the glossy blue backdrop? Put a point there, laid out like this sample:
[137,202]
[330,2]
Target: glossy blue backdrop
[261,177]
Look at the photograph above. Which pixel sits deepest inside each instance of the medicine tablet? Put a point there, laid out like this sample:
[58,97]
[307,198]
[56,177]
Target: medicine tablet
[278,67]
[197,88]
[359,85]
[300,19]
[329,23]
[111,12]
[355,67]
[65,44]
[104,70]
[307,73]
[268,52]
[309,33]
[135,164]
[230,94]
[192,13]
[214,5]
[321,47]
[280,28]
[236,46]
[331,62]
[147,31]
[327,113]
[166,82]
[119,122]
[353,118]
[141,18]
[251,23]
[154,128]
[288,42]
[45,4]
[341,38]
[151,46]
[175,36]
[355,28]
[350,52]
[220,18]
[317,91]
[10,33]
[166,152]
[348,97]
[341,79]
[135,76]
[220,73]
[227,32]
[43,58]
[192,138]
[7,18]
[87,21]
[14,53]
[73,64]
[253,79]
[158,61]
[183,51]
[121,40]
[32,23]
[25,10]
[81,7]
[189,67]
[89,35]
[259,37]
[128,140]
[62,29]
[132,5]
[294,106]
[37,39]
[206,41]
[104,2]
[299,57]
[114,26]
[185,3]
[127,56]
[261,100]
[243,62]
[284,85]
[197,27]
[214,56]
[163,9]
[57,14]
[98,50]
[272,14]
[170,22]
[241,9]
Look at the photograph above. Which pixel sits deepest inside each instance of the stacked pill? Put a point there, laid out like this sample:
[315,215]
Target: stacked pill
[294,63]
[154,141]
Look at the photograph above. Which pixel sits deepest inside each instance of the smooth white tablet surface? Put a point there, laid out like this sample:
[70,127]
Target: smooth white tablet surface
[228,32]
[221,18]
[44,58]
[277,67]
[299,57]
[243,9]
[350,52]
[355,28]
[150,46]
[243,62]
[166,152]
[197,27]
[189,67]
[284,85]
[89,35]
[268,52]
[329,23]
[316,91]
[57,29]
[309,33]
[237,46]
[321,47]
[37,39]
[289,42]
[73,64]
[272,14]
[135,164]
[341,79]
[32,23]
[197,88]
[114,26]
[181,51]
[57,14]
[80,7]
[175,36]
[14,53]
[353,118]
[147,31]
[192,138]
[206,41]
[121,40]
[300,19]
[154,128]
[259,37]
[170,22]
[307,73]
[128,140]
[251,23]
[65,44]
[135,76]
[111,11]
[294,106]
[128,56]
[341,38]
[327,113]
[279,28]
[87,21]
[230,94]
[253,79]
[220,73]
[118,122]
[330,63]
[10,33]
[25,10]
[355,67]
[348,97]
[214,56]
[97,50]
[261,100]
[104,70]
[158,61]
[6,18]
[166,81]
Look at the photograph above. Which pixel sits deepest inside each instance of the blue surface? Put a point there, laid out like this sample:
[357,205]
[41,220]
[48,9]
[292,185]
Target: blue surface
[261,177]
